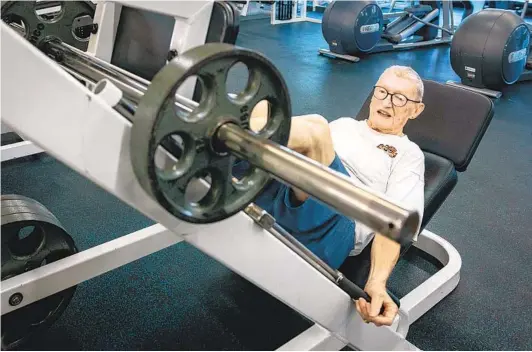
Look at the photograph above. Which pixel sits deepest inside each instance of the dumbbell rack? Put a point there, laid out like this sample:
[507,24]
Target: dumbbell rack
[283,12]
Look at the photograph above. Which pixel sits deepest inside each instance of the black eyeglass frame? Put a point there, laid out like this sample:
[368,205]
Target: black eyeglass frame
[394,94]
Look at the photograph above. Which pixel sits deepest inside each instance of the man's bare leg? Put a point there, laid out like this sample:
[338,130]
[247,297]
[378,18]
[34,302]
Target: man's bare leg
[309,136]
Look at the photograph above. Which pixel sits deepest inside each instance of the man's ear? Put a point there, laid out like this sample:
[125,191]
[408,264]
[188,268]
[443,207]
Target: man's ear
[419,109]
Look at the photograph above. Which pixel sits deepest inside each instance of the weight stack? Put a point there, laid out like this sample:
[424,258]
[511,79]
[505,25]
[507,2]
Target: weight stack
[284,10]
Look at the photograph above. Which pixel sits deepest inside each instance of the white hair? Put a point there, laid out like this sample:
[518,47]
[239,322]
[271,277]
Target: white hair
[408,73]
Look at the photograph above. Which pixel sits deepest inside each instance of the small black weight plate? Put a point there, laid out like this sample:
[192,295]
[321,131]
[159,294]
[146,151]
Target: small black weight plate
[9,197]
[43,20]
[31,238]
[19,210]
[9,206]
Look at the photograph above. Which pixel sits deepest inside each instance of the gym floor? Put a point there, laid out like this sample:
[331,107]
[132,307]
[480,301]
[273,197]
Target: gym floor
[180,299]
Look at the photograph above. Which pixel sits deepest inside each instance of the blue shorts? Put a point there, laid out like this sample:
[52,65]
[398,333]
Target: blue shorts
[327,233]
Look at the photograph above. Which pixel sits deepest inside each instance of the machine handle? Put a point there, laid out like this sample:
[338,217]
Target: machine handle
[354,291]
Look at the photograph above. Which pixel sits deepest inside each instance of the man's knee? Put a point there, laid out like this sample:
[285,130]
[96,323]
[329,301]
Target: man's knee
[322,143]
[315,119]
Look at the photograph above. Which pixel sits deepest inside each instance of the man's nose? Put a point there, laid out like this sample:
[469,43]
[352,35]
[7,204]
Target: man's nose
[387,102]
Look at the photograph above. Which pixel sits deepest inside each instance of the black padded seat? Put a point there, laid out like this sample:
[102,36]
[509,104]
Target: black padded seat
[448,131]
[440,179]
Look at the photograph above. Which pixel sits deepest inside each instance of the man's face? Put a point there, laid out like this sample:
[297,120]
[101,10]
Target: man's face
[384,115]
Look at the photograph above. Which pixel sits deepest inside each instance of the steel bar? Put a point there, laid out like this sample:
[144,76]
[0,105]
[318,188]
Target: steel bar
[96,69]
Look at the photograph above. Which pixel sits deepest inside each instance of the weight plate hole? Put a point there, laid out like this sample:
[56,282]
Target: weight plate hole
[198,189]
[17,23]
[49,11]
[27,241]
[237,80]
[81,30]
[172,157]
[243,175]
[194,87]
[260,116]
[204,190]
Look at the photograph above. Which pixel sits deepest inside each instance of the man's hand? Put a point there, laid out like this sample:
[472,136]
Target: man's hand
[370,312]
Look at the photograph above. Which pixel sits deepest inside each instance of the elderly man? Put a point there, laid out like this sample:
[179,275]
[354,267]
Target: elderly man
[375,153]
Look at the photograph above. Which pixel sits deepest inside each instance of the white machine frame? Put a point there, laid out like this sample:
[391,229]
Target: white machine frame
[98,148]
[295,18]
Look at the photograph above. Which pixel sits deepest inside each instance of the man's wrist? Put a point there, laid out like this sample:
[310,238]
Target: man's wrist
[377,281]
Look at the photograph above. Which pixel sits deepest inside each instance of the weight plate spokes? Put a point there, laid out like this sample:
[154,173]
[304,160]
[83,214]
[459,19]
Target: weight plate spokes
[39,21]
[158,123]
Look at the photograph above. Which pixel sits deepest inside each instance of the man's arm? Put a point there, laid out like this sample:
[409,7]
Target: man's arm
[384,256]
[406,185]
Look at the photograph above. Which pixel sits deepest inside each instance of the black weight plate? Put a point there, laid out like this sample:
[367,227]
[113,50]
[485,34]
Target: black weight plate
[43,241]
[26,206]
[156,119]
[16,206]
[5,197]
[43,20]
[7,211]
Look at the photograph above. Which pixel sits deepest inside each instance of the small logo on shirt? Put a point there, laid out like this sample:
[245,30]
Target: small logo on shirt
[392,152]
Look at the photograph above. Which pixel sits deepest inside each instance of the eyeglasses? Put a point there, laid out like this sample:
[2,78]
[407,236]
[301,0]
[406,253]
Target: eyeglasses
[398,99]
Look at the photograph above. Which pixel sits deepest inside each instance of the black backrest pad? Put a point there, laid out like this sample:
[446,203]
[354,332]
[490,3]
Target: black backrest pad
[440,179]
[452,124]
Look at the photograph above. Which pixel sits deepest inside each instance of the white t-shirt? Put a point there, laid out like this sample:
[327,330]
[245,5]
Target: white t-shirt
[391,165]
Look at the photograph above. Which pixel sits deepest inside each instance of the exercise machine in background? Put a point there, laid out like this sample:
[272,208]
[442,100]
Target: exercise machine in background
[491,49]
[514,5]
[354,28]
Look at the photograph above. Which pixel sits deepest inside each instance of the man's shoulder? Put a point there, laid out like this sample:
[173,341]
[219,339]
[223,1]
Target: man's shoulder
[413,149]
[344,121]
[343,125]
